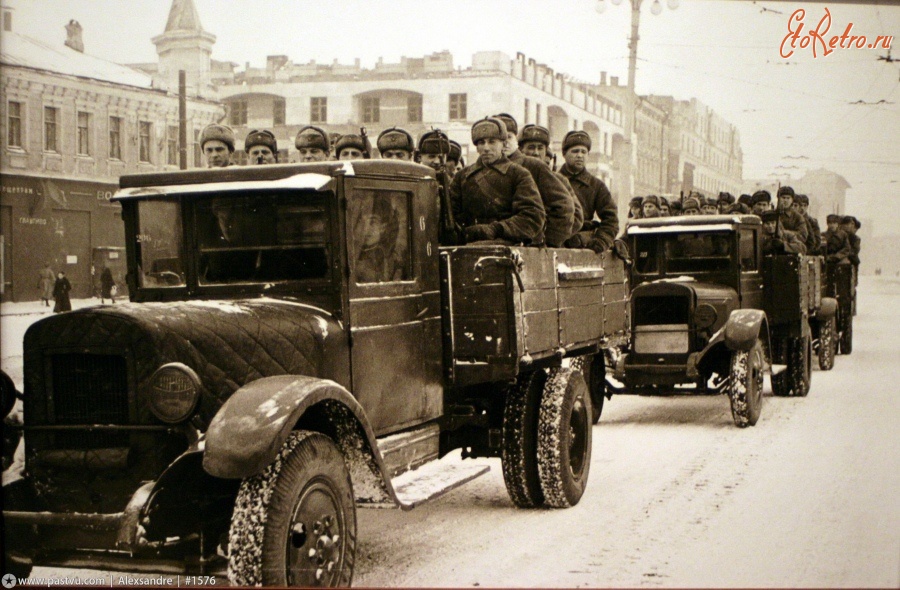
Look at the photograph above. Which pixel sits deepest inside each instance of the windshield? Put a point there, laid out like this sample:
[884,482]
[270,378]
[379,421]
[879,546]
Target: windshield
[262,238]
[160,244]
[684,252]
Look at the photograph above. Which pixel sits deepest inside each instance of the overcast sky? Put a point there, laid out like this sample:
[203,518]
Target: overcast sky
[793,114]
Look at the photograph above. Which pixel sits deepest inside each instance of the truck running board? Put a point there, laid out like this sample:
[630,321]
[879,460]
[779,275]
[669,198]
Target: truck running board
[431,481]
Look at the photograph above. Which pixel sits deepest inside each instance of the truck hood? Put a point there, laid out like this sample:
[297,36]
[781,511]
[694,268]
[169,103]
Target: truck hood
[227,343]
[722,298]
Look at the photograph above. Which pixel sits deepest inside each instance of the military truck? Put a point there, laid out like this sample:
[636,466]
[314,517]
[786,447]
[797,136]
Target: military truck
[710,314]
[840,284]
[297,344]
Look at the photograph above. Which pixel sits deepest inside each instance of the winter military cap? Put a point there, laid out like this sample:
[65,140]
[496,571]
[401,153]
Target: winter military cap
[455,151]
[261,137]
[762,197]
[746,200]
[574,138]
[350,140]
[532,132]
[849,219]
[650,199]
[709,201]
[690,203]
[434,142]
[786,190]
[636,201]
[488,128]
[218,132]
[802,199]
[833,218]
[675,206]
[663,201]
[770,215]
[312,137]
[511,125]
[726,198]
[395,138]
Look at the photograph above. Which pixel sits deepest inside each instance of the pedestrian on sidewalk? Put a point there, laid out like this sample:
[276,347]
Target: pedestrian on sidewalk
[107,286]
[61,293]
[45,284]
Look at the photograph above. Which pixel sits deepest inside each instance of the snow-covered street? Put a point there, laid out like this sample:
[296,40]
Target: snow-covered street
[678,496]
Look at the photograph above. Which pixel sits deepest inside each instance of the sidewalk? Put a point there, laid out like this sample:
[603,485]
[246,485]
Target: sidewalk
[38,307]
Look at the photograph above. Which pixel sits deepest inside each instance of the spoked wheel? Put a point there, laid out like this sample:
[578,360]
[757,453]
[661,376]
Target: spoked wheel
[519,454]
[827,344]
[564,438]
[745,385]
[295,523]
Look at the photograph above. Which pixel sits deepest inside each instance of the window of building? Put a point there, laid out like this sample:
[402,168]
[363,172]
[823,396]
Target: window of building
[414,108]
[144,129]
[318,109]
[14,125]
[537,114]
[278,112]
[115,138]
[237,112]
[51,139]
[458,107]
[371,109]
[84,134]
[172,145]
[198,161]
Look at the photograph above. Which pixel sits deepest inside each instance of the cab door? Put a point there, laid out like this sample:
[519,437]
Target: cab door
[749,252]
[394,301]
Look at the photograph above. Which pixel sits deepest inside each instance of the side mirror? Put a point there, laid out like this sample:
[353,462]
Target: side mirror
[8,394]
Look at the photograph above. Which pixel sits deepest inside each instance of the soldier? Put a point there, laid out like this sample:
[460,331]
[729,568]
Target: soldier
[261,147]
[835,244]
[217,144]
[313,144]
[849,225]
[434,148]
[708,206]
[636,208]
[789,219]
[675,208]
[595,198]
[559,205]
[664,209]
[774,242]
[762,201]
[650,207]
[455,161]
[352,147]
[690,206]
[724,202]
[535,142]
[495,199]
[395,144]
[814,234]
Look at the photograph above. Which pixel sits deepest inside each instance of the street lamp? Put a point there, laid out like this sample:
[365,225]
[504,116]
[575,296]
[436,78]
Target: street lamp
[627,187]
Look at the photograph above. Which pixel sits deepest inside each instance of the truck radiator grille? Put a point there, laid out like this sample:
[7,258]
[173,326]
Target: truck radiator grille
[90,389]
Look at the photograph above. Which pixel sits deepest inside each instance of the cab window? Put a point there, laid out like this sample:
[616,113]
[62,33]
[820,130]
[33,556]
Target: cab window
[748,250]
[159,244]
[378,224]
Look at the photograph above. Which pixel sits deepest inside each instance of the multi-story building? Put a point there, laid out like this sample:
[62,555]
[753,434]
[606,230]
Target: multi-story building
[71,125]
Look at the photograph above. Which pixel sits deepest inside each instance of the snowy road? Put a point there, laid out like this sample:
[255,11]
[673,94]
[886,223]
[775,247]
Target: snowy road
[680,497]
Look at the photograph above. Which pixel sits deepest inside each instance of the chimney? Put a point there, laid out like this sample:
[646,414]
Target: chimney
[73,36]
[602,78]
[7,19]
[614,80]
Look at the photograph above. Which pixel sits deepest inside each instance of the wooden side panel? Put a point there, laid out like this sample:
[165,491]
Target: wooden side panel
[783,289]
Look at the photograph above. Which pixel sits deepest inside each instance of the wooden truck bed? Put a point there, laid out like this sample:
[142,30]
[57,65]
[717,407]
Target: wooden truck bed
[506,308]
[793,291]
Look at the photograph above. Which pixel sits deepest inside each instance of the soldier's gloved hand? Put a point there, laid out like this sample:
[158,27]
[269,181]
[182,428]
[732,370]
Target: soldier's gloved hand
[597,245]
[576,241]
[478,232]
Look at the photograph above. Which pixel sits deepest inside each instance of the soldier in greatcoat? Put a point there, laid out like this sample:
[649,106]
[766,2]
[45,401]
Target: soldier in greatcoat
[261,147]
[814,234]
[495,199]
[395,143]
[788,219]
[595,198]
[313,144]
[217,145]
[835,244]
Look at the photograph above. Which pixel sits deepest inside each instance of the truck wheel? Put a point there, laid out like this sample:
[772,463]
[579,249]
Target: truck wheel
[847,337]
[781,355]
[519,454]
[294,524]
[564,438]
[18,570]
[595,373]
[745,385]
[827,344]
[800,366]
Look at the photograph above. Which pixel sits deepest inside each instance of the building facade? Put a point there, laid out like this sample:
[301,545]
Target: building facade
[71,125]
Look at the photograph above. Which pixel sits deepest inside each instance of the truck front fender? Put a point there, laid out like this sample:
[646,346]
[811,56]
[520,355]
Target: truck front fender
[743,327]
[827,309]
[251,427]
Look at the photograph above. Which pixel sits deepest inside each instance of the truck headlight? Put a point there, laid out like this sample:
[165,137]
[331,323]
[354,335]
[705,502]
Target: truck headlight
[174,391]
[705,315]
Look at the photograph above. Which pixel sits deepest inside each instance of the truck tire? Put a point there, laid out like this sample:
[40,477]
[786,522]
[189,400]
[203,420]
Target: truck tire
[847,337]
[827,344]
[519,454]
[19,571]
[564,438]
[594,367]
[795,379]
[294,524]
[745,385]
